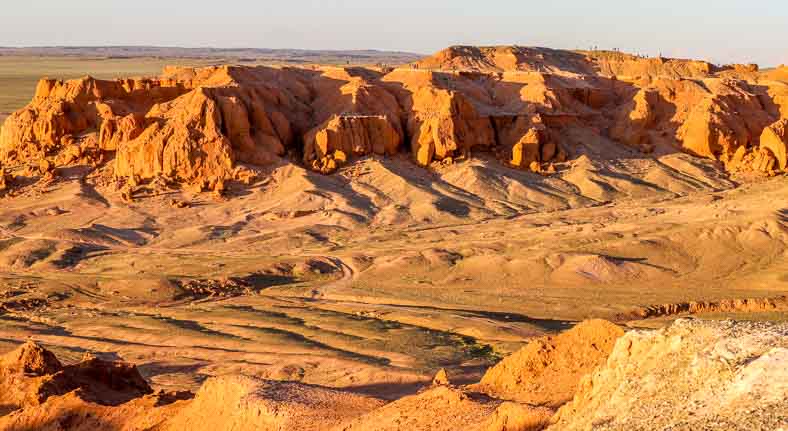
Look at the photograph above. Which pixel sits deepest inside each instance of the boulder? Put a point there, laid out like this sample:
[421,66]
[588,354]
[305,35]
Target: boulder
[548,370]
[775,140]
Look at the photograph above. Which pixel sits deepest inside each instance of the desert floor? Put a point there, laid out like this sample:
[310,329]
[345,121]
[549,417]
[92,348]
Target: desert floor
[385,273]
[376,277]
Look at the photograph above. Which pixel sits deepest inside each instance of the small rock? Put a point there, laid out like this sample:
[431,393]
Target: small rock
[441,378]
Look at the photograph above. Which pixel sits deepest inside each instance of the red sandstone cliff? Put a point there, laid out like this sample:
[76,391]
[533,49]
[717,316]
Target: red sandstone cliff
[197,126]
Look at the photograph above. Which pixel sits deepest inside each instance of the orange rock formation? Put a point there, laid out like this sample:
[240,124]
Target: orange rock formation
[775,140]
[548,370]
[197,126]
[606,63]
[31,375]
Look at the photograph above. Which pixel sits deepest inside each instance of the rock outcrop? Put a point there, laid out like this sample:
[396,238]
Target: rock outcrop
[622,64]
[329,146]
[354,116]
[535,59]
[691,375]
[777,74]
[446,408]
[37,392]
[745,305]
[5,181]
[31,375]
[240,403]
[730,117]
[199,126]
[775,140]
[65,109]
[445,125]
[548,370]
[524,141]
[635,119]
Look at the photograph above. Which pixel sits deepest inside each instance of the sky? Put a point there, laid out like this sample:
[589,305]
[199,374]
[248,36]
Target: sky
[720,31]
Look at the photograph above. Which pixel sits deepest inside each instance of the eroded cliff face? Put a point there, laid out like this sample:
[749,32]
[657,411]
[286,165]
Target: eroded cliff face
[207,126]
[327,147]
[63,109]
[184,140]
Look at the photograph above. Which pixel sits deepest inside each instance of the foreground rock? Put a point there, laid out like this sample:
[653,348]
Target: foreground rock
[70,412]
[31,375]
[548,370]
[240,403]
[445,408]
[693,375]
[37,392]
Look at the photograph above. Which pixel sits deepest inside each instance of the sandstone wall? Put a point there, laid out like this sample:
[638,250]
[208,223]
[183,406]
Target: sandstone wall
[197,125]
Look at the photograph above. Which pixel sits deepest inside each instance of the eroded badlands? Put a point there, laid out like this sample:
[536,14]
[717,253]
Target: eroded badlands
[306,248]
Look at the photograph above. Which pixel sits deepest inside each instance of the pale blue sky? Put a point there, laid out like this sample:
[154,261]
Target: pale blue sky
[719,30]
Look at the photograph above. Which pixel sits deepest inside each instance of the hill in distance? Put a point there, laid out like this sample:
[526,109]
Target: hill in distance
[240,54]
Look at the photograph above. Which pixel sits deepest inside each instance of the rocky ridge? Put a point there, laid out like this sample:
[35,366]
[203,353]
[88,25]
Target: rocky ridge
[691,375]
[547,370]
[204,127]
